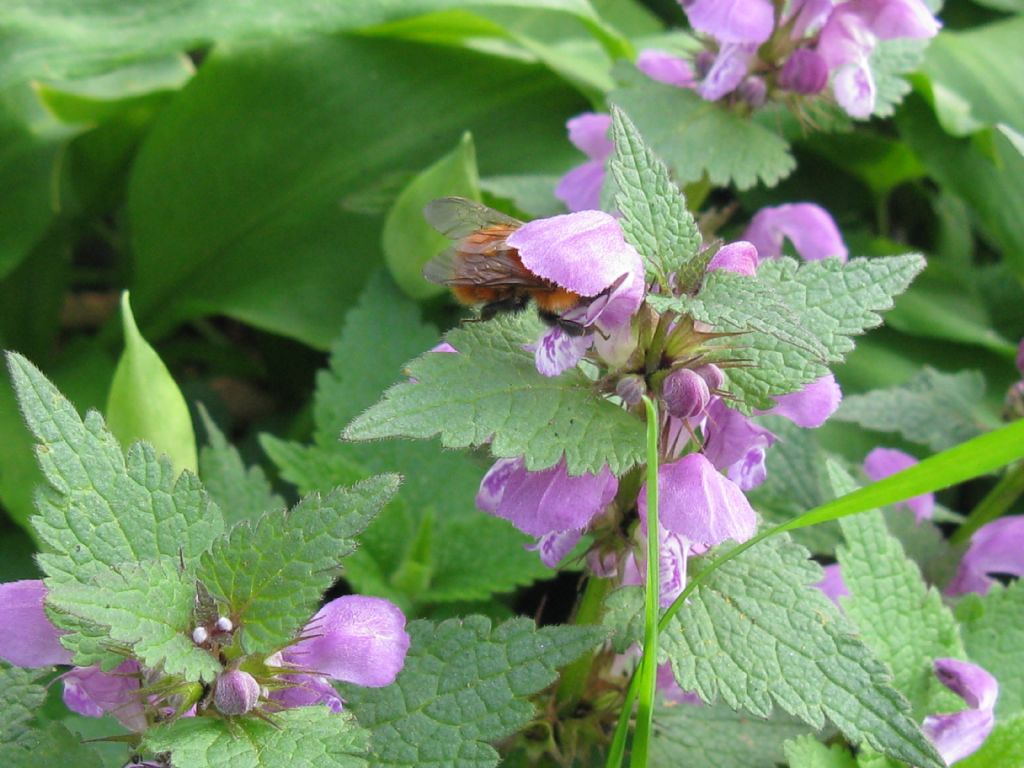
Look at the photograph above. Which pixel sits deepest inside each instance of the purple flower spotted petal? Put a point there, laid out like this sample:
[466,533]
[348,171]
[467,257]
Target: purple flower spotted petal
[539,503]
[959,734]
[727,72]
[29,639]
[700,505]
[809,227]
[832,583]
[997,547]
[673,553]
[356,639]
[811,406]
[853,85]
[584,252]
[666,68]
[739,257]
[882,462]
[307,691]
[557,351]
[732,21]
[93,693]
[554,546]
[735,444]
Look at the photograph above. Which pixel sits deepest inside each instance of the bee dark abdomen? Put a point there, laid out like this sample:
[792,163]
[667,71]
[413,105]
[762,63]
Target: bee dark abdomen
[515,302]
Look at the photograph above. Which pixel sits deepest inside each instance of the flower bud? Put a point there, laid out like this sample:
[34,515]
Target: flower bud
[685,393]
[712,376]
[200,635]
[224,624]
[805,71]
[753,91]
[631,388]
[237,692]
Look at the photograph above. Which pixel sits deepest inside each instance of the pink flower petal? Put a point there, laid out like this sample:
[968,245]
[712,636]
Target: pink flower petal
[853,85]
[805,71]
[732,21]
[307,691]
[589,133]
[666,68]
[811,406]
[809,227]
[959,734]
[554,546]
[739,257]
[734,444]
[997,547]
[891,19]
[727,72]
[30,640]
[557,351]
[580,188]
[94,693]
[882,462]
[832,583]
[357,639]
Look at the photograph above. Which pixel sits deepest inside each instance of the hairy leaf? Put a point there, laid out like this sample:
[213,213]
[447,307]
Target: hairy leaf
[994,636]
[271,572]
[20,696]
[465,684]
[491,391]
[934,409]
[808,752]
[756,635]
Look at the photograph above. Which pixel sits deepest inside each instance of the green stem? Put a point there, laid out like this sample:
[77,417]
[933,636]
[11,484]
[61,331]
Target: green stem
[617,751]
[994,505]
[649,662]
[657,346]
[574,677]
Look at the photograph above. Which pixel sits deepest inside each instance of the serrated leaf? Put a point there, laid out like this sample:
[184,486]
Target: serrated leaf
[272,572]
[433,527]
[808,752]
[144,402]
[993,633]
[714,736]
[933,408]
[464,684]
[1004,747]
[20,696]
[890,61]
[901,619]
[795,319]
[654,215]
[242,493]
[491,392]
[306,737]
[52,745]
[102,507]
[696,137]
[407,240]
[756,635]
[148,607]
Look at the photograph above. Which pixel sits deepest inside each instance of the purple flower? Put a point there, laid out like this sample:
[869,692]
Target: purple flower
[811,406]
[673,552]
[959,734]
[666,68]
[554,546]
[237,692]
[732,21]
[736,445]
[30,640]
[307,691]
[580,188]
[670,690]
[808,226]
[357,639]
[832,583]
[91,692]
[808,16]
[727,72]
[997,547]
[685,393]
[544,502]
[700,505]
[739,257]
[805,71]
[883,462]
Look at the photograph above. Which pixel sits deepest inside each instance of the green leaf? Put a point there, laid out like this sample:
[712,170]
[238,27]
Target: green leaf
[491,391]
[101,507]
[890,61]
[217,196]
[899,617]
[994,637]
[408,241]
[755,634]
[242,493]
[654,215]
[971,76]
[808,752]
[1003,747]
[464,685]
[431,544]
[794,319]
[531,194]
[696,137]
[148,607]
[109,33]
[306,737]
[53,744]
[20,696]
[272,572]
[715,736]
[144,401]
[933,408]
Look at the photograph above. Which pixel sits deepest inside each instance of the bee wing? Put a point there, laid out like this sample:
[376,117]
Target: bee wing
[492,269]
[457,217]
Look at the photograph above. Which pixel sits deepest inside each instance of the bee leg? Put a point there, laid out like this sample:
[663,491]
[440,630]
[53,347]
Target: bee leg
[569,327]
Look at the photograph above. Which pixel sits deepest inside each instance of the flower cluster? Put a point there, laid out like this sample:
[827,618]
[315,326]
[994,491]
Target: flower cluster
[753,54]
[355,639]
